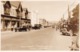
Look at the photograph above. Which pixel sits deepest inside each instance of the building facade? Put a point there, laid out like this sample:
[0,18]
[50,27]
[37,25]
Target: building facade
[13,17]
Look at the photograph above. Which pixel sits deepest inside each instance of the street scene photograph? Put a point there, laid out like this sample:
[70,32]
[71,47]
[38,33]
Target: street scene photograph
[40,25]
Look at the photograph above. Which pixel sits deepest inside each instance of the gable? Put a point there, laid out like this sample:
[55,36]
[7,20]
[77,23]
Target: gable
[20,7]
[26,11]
[7,4]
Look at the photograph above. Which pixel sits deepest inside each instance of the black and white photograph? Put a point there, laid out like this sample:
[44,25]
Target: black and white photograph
[41,25]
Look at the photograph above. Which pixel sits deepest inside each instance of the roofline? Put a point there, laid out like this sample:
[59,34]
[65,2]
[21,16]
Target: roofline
[11,4]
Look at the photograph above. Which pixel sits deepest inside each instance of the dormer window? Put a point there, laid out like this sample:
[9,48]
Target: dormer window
[19,10]
[26,14]
[7,7]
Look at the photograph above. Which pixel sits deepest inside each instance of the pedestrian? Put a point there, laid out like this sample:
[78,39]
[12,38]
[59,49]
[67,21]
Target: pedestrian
[11,28]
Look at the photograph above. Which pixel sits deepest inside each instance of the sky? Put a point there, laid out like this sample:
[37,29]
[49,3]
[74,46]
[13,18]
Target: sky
[49,10]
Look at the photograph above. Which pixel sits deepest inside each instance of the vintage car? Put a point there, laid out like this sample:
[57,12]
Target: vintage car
[37,26]
[23,28]
[64,31]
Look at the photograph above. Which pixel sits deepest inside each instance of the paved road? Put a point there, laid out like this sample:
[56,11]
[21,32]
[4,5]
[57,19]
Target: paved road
[43,39]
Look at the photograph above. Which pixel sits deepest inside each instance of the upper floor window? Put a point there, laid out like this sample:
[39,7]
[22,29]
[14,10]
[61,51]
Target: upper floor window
[19,10]
[26,14]
[7,7]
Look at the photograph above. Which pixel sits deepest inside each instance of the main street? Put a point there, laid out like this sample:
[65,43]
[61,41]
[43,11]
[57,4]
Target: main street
[43,39]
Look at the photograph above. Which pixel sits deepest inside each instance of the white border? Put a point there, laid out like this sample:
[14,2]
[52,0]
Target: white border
[38,51]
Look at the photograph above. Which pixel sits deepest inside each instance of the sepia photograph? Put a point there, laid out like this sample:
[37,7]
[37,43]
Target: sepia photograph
[46,25]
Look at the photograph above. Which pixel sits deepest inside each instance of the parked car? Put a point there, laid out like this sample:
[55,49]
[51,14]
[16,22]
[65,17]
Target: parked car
[23,28]
[46,26]
[37,26]
[64,31]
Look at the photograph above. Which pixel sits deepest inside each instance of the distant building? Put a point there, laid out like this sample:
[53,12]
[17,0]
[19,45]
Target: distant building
[12,17]
[44,23]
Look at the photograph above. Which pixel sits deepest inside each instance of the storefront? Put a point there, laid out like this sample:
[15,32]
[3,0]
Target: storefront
[8,21]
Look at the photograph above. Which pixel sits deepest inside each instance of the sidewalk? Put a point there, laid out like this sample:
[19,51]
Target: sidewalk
[6,32]
[66,41]
[61,42]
